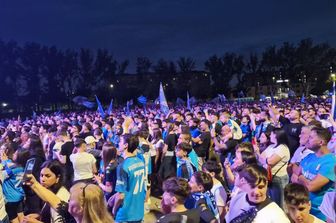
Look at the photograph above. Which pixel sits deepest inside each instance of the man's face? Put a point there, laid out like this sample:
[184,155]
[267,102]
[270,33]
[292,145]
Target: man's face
[300,213]
[314,142]
[194,186]
[203,126]
[293,115]
[304,136]
[255,194]
[122,145]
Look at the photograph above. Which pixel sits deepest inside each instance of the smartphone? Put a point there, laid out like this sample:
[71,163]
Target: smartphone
[28,169]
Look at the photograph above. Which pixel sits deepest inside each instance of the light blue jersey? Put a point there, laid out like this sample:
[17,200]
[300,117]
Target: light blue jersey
[311,167]
[131,181]
[12,188]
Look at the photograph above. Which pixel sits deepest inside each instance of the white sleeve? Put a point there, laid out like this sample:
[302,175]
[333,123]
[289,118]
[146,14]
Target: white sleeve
[327,204]
[220,196]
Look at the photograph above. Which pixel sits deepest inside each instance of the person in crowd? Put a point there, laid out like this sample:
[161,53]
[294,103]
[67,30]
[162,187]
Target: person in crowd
[176,191]
[86,203]
[3,214]
[84,164]
[246,129]
[11,184]
[108,177]
[201,197]
[168,164]
[253,204]
[52,177]
[275,158]
[244,156]
[328,205]
[131,183]
[218,189]
[291,125]
[185,168]
[298,204]
[316,170]
[202,143]
[302,151]
[64,155]
[225,145]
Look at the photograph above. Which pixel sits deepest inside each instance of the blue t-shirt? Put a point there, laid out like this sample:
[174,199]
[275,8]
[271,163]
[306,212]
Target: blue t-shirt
[311,167]
[131,182]
[12,185]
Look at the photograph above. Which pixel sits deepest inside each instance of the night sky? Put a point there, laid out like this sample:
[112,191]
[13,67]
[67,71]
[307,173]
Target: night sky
[168,28]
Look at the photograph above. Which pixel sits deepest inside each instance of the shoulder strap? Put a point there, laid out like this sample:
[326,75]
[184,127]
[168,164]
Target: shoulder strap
[279,169]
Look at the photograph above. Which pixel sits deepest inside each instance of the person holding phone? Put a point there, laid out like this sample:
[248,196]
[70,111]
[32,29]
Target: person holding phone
[51,177]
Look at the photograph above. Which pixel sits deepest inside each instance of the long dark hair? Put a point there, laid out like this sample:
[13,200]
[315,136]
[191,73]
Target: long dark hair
[280,136]
[35,146]
[109,153]
[57,168]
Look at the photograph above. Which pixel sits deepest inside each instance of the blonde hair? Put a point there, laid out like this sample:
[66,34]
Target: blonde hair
[91,199]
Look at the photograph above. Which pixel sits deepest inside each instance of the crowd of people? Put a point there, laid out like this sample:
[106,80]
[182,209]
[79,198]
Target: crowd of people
[217,162]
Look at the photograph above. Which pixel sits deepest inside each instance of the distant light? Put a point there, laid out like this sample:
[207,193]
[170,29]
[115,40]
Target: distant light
[4,104]
[111,86]
[332,75]
[279,81]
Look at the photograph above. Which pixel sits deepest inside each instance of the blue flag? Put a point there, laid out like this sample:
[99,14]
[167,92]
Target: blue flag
[163,101]
[272,98]
[88,104]
[109,110]
[188,101]
[142,100]
[100,108]
[303,98]
[127,108]
[34,115]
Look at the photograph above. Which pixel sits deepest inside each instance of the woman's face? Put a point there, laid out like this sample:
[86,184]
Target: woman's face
[263,138]
[238,160]
[273,138]
[48,178]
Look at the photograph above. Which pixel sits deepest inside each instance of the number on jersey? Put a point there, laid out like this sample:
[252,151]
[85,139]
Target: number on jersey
[139,176]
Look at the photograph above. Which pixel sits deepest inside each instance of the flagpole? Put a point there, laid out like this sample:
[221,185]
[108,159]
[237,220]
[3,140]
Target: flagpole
[333,102]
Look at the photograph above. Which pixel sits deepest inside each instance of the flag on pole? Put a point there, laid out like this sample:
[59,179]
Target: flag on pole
[142,100]
[303,98]
[188,101]
[272,98]
[110,108]
[163,101]
[100,108]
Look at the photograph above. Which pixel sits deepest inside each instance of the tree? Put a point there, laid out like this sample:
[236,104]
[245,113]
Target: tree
[143,65]
[186,64]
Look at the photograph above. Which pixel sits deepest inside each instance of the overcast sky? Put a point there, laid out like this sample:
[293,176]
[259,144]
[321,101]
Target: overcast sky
[168,28]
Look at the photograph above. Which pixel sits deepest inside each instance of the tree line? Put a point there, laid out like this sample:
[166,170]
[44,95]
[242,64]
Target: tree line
[34,74]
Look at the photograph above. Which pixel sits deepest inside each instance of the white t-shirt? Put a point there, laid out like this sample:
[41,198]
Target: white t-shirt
[327,205]
[272,213]
[82,165]
[299,154]
[283,152]
[219,193]
[64,195]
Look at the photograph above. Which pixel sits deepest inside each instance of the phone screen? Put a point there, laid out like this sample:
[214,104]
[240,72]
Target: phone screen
[29,168]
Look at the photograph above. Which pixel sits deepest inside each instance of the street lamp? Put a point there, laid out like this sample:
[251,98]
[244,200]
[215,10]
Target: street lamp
[111,85]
